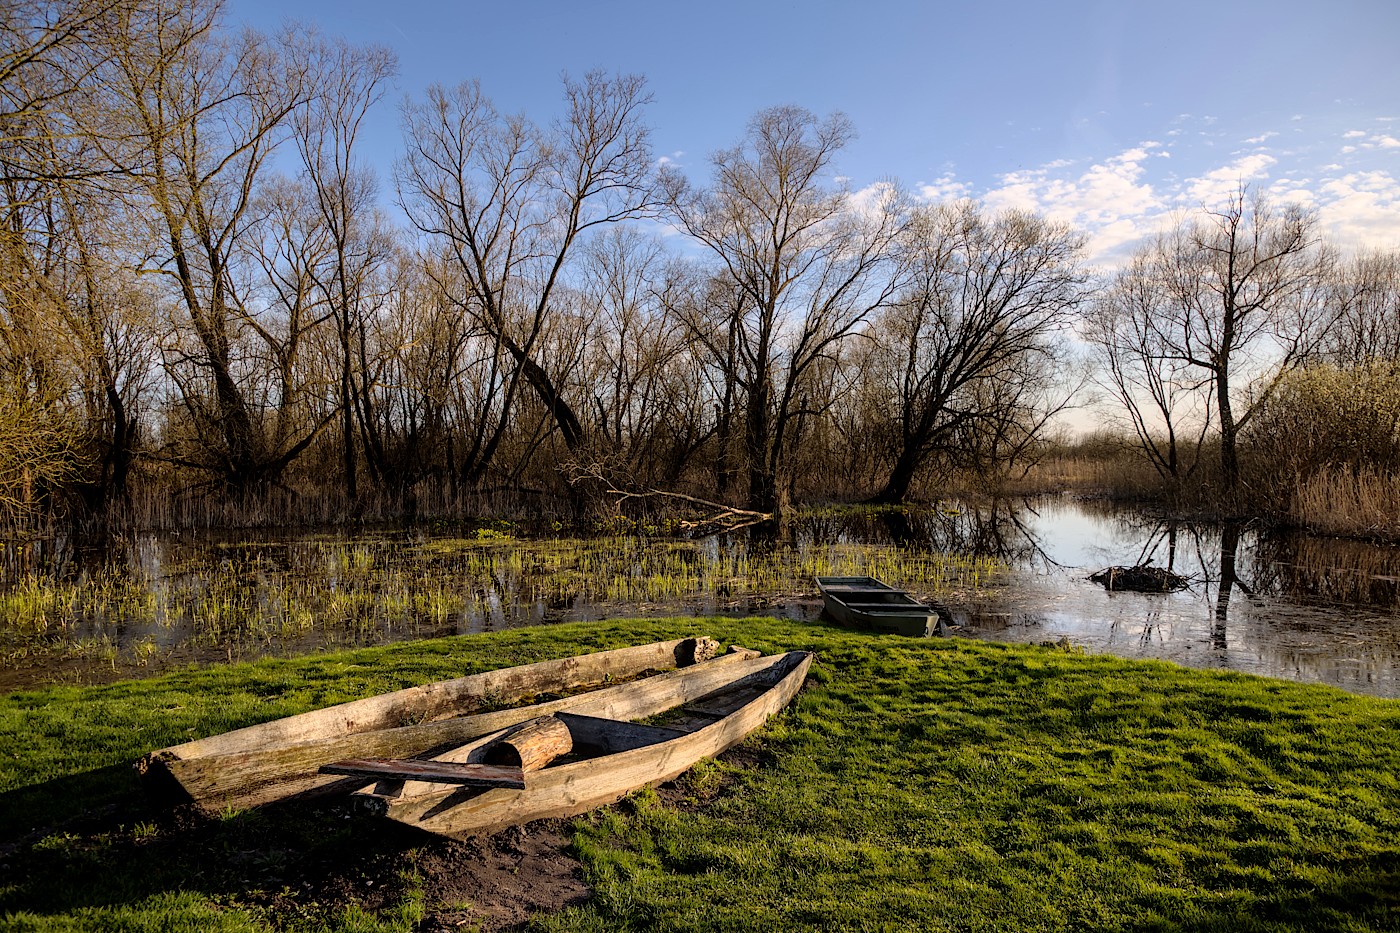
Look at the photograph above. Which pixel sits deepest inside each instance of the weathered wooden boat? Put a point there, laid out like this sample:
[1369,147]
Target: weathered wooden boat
[564,762]
[867,603]
[282,758]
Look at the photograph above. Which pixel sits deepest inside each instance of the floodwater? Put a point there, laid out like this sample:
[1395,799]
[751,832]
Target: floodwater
[1281,604]
[1278,604]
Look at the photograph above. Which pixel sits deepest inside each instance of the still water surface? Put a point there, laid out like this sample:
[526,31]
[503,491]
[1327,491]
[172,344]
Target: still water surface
[1282,605]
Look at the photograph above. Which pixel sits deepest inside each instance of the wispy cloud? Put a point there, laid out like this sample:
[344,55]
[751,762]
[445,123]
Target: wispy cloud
[1124,200]
[944,188]
[1111,200]
[1218,185]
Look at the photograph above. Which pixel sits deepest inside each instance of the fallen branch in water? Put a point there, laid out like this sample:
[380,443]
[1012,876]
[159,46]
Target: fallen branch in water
[724,518]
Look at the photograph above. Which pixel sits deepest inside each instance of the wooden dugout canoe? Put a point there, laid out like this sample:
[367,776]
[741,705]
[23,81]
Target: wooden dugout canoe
[867,603]
[714,706]
[280,759]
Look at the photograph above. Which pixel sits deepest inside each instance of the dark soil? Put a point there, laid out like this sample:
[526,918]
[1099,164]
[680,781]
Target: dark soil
[297,866]
[498,882]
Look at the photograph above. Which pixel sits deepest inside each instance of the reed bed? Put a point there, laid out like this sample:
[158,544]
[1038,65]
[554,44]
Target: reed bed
[1360,502]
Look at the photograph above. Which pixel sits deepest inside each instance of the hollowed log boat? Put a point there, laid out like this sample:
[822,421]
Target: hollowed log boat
[867,603]
[565,761]
[281,759]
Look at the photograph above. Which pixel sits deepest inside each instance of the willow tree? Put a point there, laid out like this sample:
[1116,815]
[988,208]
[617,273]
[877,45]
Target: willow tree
[801,262]
[1244,304]
[505,203]
[190,116]
[1167,401]
[72,317]
[968,347]
[327,131]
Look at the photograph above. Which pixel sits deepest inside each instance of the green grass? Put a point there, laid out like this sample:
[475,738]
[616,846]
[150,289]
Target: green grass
[929,785]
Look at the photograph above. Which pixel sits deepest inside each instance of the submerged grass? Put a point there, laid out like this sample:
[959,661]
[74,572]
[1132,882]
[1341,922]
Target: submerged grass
[929,785]
[247,599]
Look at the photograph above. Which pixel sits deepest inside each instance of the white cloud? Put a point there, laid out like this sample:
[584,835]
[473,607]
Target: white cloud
[1110,200]
[1354,134]
[1361,209]
[1261,138]
[869,199]
[943,188]
[1219,185]
[1122,201]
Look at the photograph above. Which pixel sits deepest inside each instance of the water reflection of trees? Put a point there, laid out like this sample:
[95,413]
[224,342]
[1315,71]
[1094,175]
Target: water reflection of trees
[1276,563]
[1327,569]
[992,529]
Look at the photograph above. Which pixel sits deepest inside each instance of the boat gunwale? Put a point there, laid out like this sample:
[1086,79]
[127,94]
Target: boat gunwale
[433,811]
[174,773]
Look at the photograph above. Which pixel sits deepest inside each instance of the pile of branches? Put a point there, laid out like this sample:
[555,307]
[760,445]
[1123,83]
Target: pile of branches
[1141,579]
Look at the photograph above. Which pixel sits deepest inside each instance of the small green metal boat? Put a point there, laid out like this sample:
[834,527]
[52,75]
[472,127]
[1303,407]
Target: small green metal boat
[867,603]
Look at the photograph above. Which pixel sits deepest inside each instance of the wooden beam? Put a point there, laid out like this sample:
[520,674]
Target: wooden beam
[441,772]
[531,745]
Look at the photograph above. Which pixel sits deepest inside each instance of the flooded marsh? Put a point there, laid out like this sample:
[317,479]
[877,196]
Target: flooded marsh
[155,600]
[1259,601]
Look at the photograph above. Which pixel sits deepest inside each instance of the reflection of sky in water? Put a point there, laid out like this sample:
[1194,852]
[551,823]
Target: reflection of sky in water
[1311,609]
[1295,625]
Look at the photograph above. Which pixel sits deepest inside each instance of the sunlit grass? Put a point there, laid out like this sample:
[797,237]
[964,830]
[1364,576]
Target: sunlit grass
[920,784]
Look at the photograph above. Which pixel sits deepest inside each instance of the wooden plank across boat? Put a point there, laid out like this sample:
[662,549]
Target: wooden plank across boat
[712,706]
[281,759]
[867,603]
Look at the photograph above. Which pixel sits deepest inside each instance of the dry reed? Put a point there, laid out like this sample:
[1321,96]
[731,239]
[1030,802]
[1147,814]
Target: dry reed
[1358,502]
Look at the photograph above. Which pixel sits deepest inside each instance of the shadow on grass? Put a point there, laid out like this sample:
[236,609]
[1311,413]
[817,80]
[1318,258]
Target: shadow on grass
[288,859]
[104,795]
[1364,895]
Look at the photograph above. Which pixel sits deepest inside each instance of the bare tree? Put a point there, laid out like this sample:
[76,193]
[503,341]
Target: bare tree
[350,82]
[192,119]
[507,202]
[801,264]
[73,322]
[639,375]
[1243,304]
[49,50]
[1365,297]
[1168,402]
[967,349]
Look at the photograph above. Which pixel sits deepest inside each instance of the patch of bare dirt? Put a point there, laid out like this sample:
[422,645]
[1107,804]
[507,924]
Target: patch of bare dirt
[499,882]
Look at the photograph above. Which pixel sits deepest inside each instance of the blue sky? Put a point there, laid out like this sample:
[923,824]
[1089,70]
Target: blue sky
[1107,114]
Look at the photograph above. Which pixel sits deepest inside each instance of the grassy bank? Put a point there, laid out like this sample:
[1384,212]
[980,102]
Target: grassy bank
[914,785]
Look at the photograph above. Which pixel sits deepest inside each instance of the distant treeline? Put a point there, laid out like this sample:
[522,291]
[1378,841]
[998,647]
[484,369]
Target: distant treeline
[205,303]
